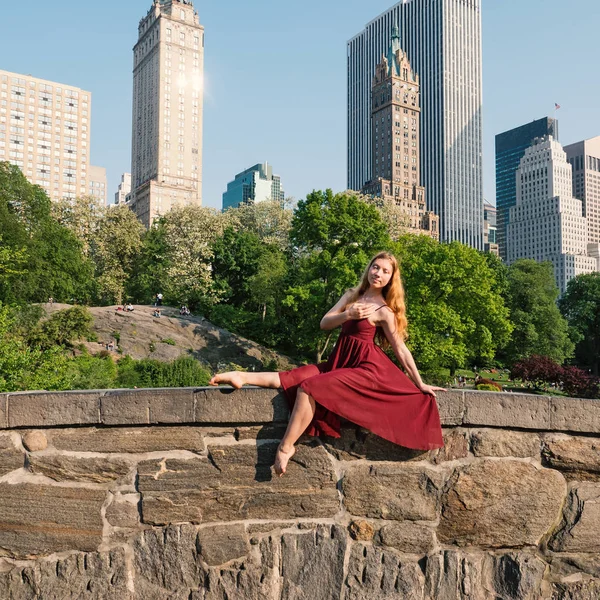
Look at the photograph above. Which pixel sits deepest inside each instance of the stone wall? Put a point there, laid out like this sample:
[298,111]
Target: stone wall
[168,494]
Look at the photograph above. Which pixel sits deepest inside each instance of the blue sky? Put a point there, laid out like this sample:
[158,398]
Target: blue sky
[275,74]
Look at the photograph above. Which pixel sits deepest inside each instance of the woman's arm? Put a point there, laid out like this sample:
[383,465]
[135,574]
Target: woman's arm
[403,354]
[341,312]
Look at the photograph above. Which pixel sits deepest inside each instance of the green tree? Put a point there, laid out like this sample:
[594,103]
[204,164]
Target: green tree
[114,247]
[580,305]
[333,237]
[62,328]
[456,313]
[539,328]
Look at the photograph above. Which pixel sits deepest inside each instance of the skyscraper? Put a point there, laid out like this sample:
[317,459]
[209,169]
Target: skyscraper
[166,155]
[510,148]
[45,131]
[547,223]
[584,158]
[395,114]
[124,189]
[443,41]
[255,184]
[98,184]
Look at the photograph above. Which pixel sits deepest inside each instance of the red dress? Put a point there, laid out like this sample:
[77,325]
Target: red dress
[360,383]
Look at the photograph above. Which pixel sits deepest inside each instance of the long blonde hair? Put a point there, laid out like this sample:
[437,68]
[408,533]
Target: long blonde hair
[393,294]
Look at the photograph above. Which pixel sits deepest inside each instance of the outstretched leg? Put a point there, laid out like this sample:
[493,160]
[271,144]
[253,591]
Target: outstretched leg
[302,415]
[238,378]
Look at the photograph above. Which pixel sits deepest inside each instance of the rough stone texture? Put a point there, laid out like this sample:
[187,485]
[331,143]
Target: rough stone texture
[451,406]
[128,440]
[581,590]
[312,563]
[222,543]
[10,458]
[3,419]
[408,537]
[87,470]
[166,563]
[525,411]
[35,441]
[235,482]
[124,513]
[580,528]
[576,415]
[392,491]
[577,457]
[361,531]
[502,443]
[138,407]
[46,409]
[261,432]
[379,574]
[456,446]
[246,405]
[77,577]
[494,503]
[41,519]
[475,576]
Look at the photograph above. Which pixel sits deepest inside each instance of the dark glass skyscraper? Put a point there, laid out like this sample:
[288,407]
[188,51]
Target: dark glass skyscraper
[510,148]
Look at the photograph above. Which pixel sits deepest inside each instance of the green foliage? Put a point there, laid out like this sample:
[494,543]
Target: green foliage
[456,313]
[486,387]
[580,305]
[539,328]
[63,327]
[182,372]
[169,341]
[92,372]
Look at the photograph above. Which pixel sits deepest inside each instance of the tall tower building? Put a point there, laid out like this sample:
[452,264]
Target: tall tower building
[547,223]
[98,184]
[166,158]
[255,184]
[395,143]
[45,131]
[443,40]
[510,148]
[124,189]
[584,158]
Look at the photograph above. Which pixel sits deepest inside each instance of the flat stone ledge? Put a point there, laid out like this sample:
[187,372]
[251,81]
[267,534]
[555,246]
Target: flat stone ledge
[253,406]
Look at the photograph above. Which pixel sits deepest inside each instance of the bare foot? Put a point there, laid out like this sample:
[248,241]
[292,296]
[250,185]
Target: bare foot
[233,378]
[282,458]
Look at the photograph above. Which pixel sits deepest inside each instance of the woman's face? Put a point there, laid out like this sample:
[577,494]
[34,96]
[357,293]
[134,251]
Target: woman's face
[380,273]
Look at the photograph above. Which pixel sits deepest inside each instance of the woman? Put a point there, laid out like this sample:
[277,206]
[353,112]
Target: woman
[358,382]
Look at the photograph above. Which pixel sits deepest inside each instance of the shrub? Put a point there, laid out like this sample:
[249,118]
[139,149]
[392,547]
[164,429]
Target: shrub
[486,387]
[63,327]
[577,383]
[169,341]
[537,370]
[182,372]
[439,378]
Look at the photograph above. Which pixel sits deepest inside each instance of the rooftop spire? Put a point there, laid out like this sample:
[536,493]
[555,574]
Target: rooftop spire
[393,66]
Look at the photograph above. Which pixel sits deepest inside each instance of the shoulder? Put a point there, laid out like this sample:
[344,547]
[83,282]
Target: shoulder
[384,314]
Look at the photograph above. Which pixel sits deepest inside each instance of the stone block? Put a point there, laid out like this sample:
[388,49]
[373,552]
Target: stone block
[3,412]
[323,549]
[580,527]
[48,409]
[495,504]
[451,405]
[261,432]
[61,467]
[129,440]
[408,537]
[35,441]
[41,519]
[11,458]
[222,544]
[76,577]
[246,405]
[457,575]
[579,590]
[392,491]
[523,411]
[577,457]
[124,511]
[576,415]
[361,531]
[456,446]
[148,406]
[235,482]
[379,574]
[166,563]
[505,443]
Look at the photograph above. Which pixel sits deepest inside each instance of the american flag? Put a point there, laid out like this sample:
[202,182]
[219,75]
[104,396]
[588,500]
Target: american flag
[556,106]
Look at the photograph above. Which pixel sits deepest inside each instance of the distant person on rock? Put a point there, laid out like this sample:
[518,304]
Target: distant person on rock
[159,299]
[359,382]
[51,301]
